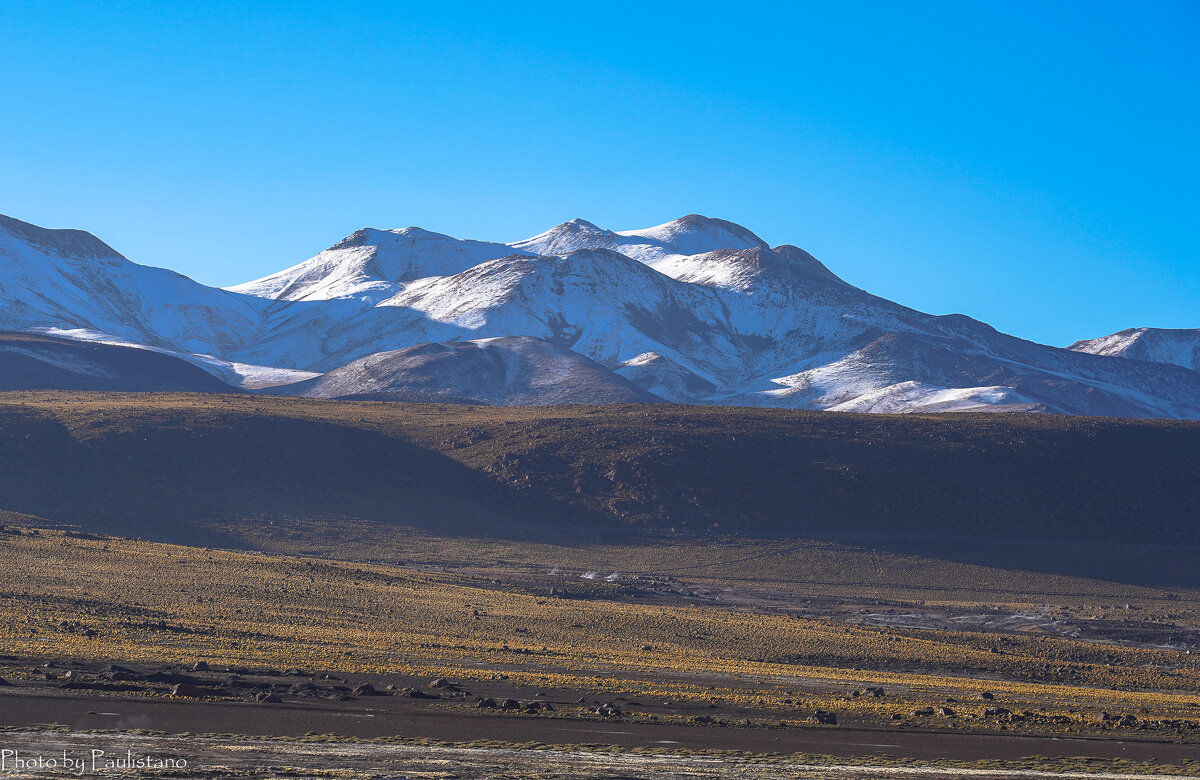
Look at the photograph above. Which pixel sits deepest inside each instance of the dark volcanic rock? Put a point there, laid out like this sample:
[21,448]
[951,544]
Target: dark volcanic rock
[417,693]
[171,678]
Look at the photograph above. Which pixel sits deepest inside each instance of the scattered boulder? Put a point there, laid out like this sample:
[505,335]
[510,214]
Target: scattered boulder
[1101,717]
[5,683]
[267,697]
[702,719]
[923,712]
[185,690]
[366,689]
[441,682]
[945,712]
[825,717]
[986,695]
[1127,720]
[293,673]
[995,712]
[486,704]
[417,693]
[171,679]
[510,704]
[200,666]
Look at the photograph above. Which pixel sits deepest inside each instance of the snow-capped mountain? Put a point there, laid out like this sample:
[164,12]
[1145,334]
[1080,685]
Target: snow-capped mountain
[374,265]
[70,279]
[1177,347]
[688,235]
[695,310]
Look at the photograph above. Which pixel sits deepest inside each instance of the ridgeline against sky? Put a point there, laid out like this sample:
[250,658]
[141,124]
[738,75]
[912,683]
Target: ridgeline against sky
[1030,165]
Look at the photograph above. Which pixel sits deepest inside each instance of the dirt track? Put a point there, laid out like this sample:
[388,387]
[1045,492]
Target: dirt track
[369,719]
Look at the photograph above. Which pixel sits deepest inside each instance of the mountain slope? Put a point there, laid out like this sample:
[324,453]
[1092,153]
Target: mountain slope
[598,303]
[374,265]
[71,279]
[505,371]
[1094,496]
[32,362]
[688,235]
[1157,345]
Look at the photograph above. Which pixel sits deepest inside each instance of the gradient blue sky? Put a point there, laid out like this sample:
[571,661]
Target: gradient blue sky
[1033,165]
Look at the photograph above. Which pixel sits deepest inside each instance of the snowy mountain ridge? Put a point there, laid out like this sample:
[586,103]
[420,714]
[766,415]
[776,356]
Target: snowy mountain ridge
[696,310]
[1180,347]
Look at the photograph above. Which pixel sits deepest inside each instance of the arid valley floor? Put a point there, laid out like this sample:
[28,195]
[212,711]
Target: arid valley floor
[276,643]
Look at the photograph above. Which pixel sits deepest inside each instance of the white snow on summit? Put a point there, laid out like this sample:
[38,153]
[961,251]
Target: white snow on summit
[374,265]
[688,235]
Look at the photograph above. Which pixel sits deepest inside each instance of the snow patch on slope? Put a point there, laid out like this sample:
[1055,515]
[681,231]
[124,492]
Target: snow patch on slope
[242,375]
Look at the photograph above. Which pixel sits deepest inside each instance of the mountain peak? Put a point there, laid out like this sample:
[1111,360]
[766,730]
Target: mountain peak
[369,236]
[577,225]
[373,264]
[568,237]
[1172,346]
[695,234]
[77,244]
[804,260]
[701,222]
[580,223]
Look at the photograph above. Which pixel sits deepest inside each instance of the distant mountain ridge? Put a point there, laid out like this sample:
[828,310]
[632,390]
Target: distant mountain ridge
[1158,345]
[696,310]
[509,370]
[31,362]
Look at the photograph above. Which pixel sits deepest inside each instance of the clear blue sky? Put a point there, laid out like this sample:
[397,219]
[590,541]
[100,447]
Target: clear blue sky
[1033,165]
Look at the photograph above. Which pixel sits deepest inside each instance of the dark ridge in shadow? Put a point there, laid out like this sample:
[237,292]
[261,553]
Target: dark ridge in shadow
[1106,498]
